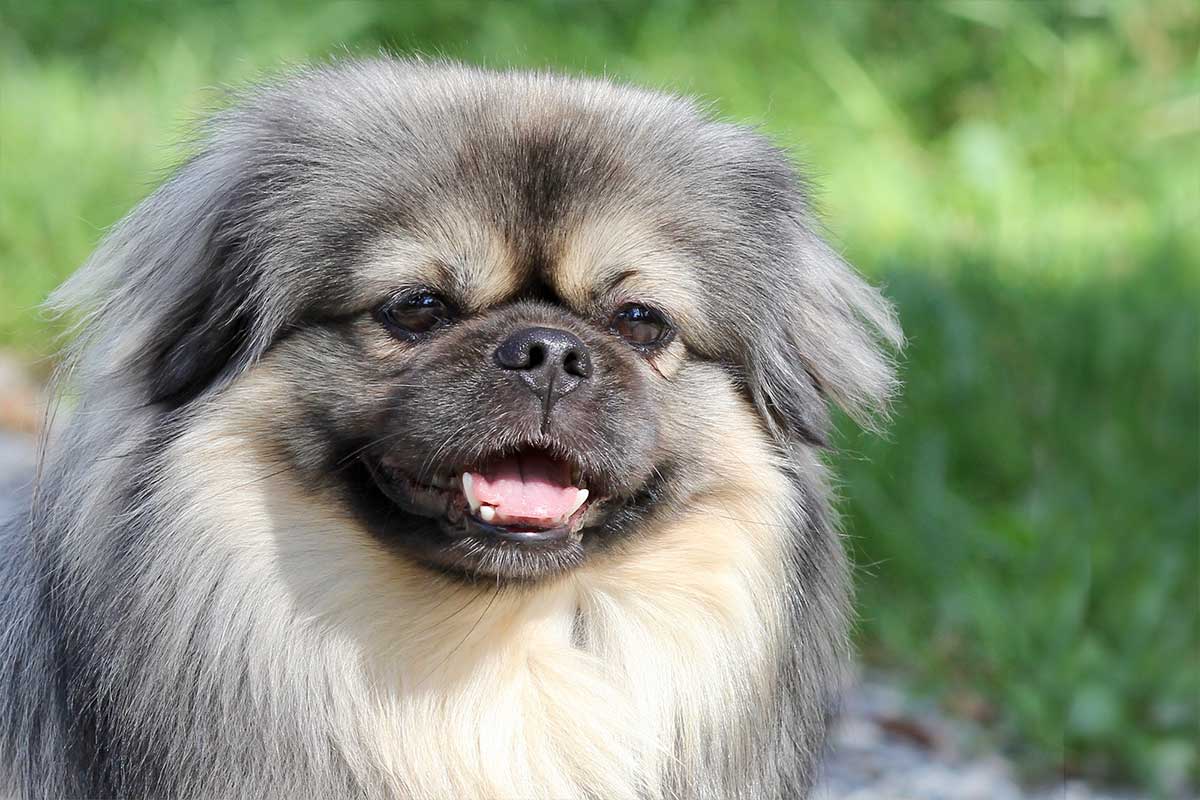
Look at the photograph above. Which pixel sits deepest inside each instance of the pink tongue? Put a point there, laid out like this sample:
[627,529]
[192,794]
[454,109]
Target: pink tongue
[528,487]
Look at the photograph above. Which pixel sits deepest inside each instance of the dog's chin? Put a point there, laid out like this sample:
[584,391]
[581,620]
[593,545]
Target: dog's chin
[517,516]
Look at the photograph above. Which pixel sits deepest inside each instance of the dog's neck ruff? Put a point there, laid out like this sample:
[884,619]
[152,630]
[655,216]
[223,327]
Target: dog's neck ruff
[630,675]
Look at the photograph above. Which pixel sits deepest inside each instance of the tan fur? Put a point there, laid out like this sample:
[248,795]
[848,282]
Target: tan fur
[563,689]
[461,254]
[606,245]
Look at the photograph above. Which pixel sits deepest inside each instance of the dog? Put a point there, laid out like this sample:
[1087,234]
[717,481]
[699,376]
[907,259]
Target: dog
[436,432]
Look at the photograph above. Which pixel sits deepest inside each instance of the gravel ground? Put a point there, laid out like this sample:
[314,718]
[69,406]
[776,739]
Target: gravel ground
[16,455]
[16,464]
[890,747]
[886,747]
[16,459]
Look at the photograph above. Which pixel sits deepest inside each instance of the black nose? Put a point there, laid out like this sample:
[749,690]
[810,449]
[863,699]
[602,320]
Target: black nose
[550,361]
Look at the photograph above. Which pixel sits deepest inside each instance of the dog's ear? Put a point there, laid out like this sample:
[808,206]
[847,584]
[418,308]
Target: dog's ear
[207,332]
[172,297]
[831,342]
[827,336]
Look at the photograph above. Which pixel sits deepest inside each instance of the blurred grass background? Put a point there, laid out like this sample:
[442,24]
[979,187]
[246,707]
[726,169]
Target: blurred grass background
[1023,176]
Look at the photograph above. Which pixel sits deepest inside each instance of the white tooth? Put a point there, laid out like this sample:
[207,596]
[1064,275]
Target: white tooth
[580,499]
[487,513]
[469,491]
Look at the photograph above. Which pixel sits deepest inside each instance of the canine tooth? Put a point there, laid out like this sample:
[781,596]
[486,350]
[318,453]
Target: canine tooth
[580,499]
[487,513]
[469,491]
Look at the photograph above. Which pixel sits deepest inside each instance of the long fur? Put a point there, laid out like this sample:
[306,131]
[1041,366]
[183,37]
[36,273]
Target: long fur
[183,614]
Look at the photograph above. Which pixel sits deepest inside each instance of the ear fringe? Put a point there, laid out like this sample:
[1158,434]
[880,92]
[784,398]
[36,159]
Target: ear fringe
[852,336]
[167,229]
[160,275]
[834,341]
[831,337]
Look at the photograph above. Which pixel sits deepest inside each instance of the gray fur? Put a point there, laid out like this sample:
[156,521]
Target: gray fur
[254,242]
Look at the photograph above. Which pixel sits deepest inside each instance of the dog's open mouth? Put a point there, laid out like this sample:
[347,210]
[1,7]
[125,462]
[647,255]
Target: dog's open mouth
[531,496]
[528,490]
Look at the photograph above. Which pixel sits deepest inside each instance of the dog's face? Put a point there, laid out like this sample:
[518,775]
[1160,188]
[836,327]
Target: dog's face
[493,437]
[491,411]
[507,320]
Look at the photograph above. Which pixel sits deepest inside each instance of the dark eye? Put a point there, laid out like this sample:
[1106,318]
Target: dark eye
[642,326]
[415,313]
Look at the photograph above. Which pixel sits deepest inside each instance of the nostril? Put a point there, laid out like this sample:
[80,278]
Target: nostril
[536,357]
[577,364]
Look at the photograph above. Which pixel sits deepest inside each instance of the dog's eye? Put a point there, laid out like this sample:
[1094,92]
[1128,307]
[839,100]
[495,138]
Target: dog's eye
[641,326]
[415,313]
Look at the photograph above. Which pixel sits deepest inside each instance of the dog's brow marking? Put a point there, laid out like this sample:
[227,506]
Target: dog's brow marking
[616,281]
[481,262]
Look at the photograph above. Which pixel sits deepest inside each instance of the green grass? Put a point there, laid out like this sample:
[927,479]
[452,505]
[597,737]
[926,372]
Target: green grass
[1028,535]
[1022,176]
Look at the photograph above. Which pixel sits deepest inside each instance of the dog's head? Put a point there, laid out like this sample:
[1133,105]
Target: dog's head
[509,320]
